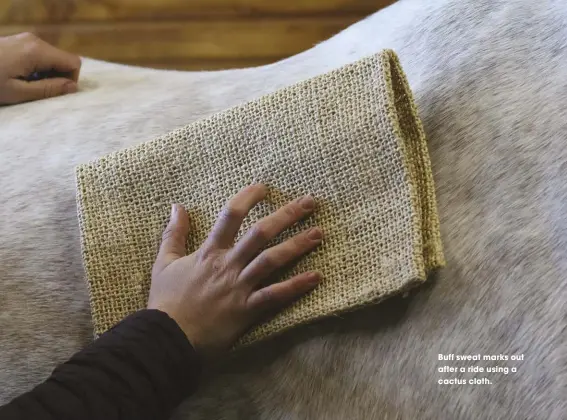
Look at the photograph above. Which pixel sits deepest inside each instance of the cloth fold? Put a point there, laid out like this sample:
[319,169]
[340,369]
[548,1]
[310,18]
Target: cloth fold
[351,138]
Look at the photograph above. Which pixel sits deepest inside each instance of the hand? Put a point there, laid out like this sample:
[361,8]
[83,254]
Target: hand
[217,293]
[22,55]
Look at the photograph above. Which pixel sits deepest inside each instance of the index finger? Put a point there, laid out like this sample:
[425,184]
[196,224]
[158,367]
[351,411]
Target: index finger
[47,57]
[232,215]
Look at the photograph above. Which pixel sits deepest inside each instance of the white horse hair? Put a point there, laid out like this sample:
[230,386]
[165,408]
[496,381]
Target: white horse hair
[490,79]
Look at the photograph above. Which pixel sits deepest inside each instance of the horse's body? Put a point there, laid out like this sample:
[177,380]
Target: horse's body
[490,79]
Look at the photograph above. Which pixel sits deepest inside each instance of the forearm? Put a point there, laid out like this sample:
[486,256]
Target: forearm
[142,369]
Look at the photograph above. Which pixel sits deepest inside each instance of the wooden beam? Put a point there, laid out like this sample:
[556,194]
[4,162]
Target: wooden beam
[51,11]
[269,39]
[198,64]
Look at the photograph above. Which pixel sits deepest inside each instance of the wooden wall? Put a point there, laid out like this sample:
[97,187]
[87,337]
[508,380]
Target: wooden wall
[184,34]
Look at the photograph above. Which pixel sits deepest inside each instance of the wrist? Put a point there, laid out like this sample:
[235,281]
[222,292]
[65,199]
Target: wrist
[187,331]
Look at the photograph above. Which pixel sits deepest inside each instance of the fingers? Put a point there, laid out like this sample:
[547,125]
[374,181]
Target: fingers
[45,57]
[232,215]
[269,227]
[18,91]
[279,295]
[280,255]
[174,238]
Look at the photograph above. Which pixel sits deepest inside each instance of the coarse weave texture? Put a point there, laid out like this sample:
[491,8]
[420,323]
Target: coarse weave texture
[351,138]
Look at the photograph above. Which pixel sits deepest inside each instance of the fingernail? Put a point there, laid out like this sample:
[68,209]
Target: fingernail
[69,87]
[314,234]
[173,210]
[307,202]
[313,278]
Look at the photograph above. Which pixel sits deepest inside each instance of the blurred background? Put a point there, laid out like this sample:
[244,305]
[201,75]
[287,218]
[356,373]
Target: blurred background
[184,34]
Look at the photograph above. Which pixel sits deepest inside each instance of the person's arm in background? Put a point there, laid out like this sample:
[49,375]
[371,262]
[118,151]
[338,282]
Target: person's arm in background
[24,59]
[198,307]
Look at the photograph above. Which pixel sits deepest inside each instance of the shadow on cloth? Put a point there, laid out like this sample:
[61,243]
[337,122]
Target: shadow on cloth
[365,321]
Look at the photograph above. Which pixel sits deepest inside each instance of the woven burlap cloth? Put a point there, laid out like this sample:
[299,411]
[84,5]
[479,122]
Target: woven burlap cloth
[351,138]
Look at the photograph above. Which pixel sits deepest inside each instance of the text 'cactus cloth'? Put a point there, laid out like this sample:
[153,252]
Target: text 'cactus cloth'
[351,138]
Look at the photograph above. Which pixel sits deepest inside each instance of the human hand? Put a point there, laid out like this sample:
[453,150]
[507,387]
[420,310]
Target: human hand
[216,293]
[22,55]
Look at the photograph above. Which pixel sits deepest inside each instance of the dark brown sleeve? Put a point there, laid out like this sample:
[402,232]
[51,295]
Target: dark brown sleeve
[140,369]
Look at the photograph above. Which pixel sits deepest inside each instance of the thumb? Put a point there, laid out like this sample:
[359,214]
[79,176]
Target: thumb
[174,237]
[23,91]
